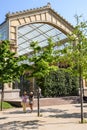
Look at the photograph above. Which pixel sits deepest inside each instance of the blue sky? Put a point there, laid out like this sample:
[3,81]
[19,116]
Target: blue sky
[66,8]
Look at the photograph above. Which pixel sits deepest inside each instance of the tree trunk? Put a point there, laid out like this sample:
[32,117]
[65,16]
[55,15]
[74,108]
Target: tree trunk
[81,92]
[2,96]
[38,102]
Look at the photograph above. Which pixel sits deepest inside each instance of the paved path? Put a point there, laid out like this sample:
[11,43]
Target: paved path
[57,117]
[48,101]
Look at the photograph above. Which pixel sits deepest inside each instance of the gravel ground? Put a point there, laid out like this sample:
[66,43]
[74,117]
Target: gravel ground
[58,117]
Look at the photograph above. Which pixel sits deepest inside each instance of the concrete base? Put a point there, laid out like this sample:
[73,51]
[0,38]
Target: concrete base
[11,94]
[85,91]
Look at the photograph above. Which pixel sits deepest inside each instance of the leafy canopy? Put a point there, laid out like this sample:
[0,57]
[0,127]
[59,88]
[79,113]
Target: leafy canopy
[10,70]
[42,60]
[74,52]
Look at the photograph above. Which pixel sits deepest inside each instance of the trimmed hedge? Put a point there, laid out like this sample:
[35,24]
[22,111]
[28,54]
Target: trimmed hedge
[59,83]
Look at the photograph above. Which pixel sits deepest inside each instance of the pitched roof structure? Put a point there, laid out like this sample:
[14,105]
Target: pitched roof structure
[36,24]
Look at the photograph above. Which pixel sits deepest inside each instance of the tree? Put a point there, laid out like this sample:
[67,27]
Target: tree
[74,54]
[10,70]
[41,61]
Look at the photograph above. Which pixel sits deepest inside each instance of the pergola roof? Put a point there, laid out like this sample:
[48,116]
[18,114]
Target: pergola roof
[36,24]
[37,32]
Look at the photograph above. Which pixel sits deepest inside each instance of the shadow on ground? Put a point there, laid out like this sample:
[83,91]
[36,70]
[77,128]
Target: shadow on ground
[65,114]
[52,112]
[48,110]
[20,125]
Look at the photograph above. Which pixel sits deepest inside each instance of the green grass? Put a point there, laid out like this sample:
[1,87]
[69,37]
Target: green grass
[6,105]
[84,121]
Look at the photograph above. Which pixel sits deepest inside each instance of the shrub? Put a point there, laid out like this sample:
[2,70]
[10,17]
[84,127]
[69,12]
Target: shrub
[59,83]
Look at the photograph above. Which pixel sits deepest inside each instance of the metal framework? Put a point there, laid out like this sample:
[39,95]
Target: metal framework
[34,25]
[36,32]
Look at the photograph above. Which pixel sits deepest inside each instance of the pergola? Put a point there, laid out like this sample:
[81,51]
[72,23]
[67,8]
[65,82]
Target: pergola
[36,32]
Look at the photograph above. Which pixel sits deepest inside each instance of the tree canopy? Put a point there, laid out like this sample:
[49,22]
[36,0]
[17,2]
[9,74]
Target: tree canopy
[74,52]
[41,61]
[10,70]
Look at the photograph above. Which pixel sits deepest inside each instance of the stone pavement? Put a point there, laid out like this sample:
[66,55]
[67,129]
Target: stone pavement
[57,117]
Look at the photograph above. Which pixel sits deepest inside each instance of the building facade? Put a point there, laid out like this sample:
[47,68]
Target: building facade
[38,24]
